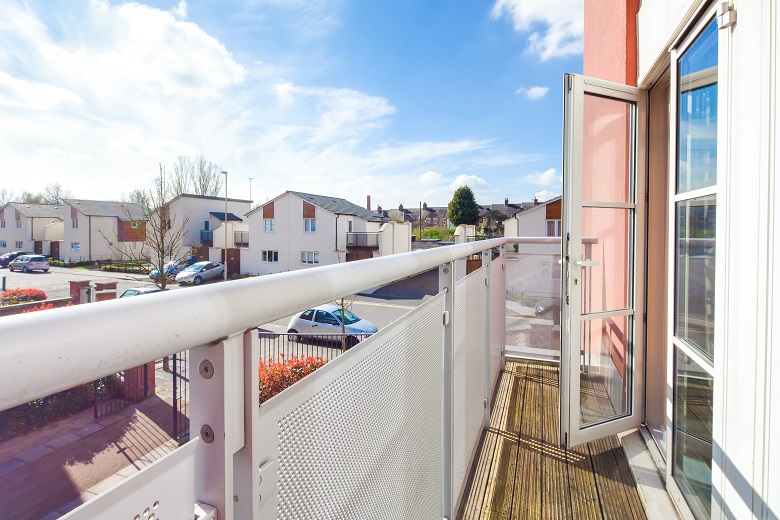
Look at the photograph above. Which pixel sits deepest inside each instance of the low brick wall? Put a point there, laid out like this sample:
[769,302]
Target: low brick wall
[9,310]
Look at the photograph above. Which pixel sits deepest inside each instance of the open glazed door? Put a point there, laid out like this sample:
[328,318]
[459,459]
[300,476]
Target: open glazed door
[603,250]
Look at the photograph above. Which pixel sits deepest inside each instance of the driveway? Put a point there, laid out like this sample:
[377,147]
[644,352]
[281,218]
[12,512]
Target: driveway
[56,282]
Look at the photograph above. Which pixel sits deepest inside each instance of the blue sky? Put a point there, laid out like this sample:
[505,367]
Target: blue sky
[401,100]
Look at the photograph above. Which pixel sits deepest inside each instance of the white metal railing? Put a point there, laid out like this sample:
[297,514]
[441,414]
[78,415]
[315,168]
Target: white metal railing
[217,322]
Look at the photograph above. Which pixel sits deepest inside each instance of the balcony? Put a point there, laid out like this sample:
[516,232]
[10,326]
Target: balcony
[207,237]
[363,239]
[402,423]
[241,238]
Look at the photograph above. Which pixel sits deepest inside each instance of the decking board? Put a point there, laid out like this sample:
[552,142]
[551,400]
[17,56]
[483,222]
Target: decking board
[521,472]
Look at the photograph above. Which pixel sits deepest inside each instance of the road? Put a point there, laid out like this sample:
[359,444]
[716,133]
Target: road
[56,282]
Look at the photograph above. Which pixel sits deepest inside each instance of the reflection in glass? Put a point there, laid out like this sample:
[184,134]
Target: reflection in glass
[607,243]
[698,113]
[692,441]
[605,370]
[695,283]
[608,149]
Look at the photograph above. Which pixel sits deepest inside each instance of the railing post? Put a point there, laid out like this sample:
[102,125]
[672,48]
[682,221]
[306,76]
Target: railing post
[447,283]
[217,408]
[247,481]
[486,263]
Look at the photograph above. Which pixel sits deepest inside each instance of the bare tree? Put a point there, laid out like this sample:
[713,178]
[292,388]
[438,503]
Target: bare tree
[207,178]
[6,196]
[163,233]
[181,176]
[54,193]
[31,198]
[136,195]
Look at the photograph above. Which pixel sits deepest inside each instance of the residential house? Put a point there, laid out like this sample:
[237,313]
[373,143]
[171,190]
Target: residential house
[299,230]
[201,216]
[100,230]
[24,226]
[537,219]
[493,216]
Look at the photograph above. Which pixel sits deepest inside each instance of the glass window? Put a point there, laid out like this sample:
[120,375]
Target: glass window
[205,225]
[75,246]
[692,441]
[553,228]
[2,244]
[270,256]
[74,223]
[308,315]
[19,244]
[310,225]
[326,317]
[18,224]
[2,224]
[269,225]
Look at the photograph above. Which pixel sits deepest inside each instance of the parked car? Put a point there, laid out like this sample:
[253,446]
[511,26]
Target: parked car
[198,273]
[29,263]
[136,291]
[549,309]
[9,257]
[326,319]
[172,268]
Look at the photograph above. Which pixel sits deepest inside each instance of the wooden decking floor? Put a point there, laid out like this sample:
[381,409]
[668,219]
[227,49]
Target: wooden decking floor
[521,472]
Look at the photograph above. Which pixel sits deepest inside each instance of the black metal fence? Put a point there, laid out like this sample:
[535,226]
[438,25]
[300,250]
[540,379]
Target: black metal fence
[119,390]
[278,347]
[181,398]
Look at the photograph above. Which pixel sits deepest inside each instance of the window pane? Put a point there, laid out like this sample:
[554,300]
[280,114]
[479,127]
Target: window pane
[692,442]
[695,280]
[607,242]
[698,113]
[609,149]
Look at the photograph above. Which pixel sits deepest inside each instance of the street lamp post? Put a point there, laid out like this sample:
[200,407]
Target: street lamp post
[225,270]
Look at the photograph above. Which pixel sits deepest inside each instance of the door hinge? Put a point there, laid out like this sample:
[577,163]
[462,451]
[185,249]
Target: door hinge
[647,197]
[727,15]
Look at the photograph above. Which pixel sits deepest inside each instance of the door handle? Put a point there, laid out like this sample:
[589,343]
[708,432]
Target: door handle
[586,263]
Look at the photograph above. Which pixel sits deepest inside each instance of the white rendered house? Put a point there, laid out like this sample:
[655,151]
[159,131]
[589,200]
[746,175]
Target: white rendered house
[23,227]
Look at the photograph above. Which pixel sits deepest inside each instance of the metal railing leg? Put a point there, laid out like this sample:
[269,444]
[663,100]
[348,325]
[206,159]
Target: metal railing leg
[486,263]
[447,283]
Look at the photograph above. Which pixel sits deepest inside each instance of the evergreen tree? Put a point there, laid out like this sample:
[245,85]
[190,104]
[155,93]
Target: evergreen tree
[463,208]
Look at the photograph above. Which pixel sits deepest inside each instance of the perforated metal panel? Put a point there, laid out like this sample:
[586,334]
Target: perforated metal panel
[362,437]
[497,317]
[469,372]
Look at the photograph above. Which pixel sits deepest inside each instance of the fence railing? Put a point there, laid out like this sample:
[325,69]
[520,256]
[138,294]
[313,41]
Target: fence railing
[241,238]
[363,239]
[280,347]
[206,236]
[408,403]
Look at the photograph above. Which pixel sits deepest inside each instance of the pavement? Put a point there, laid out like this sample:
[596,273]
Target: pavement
[51,471]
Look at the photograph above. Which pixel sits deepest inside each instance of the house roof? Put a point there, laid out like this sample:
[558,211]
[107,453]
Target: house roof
[207,197]
[541,204]
[220,215]
[333,204]
[38,210]
[107,208]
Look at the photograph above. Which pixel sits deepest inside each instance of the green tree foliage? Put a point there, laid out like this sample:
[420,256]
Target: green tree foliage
[463,208]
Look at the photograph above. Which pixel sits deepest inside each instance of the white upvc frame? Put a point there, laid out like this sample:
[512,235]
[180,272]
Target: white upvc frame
[715,369]
[571,434]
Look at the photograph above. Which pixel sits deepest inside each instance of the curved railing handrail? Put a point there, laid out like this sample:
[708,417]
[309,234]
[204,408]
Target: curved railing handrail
[45,352]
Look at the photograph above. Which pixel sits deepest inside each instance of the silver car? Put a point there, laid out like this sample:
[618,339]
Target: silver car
[326,319]
[27,263]
[198,273]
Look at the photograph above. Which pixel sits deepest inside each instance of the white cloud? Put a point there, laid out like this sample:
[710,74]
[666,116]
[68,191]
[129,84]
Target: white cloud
[545,195]
[533,93]
[32,95]
[557,26]
[180,11]
[284,92]
[431,177]
[547,178]
[471,181]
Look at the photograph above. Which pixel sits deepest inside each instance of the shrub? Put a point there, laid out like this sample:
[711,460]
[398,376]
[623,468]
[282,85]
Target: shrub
[46,306]
[14,296]
[275,376]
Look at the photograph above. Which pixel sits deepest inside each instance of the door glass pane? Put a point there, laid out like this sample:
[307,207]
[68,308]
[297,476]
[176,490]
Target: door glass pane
[608,150]
[698,113]
[695,284]
[692,443]
[605,369]
[607,243]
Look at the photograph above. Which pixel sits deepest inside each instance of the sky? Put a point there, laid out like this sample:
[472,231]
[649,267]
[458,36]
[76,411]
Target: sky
[402,100]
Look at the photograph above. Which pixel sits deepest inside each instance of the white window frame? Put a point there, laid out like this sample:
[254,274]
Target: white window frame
[18,224]
[19,244]
[557,229]
[75,246]
[310,257]
[270,256]
[310,225]
[74,223]
[3,244]
[269,225]
[2,224]
[134,224]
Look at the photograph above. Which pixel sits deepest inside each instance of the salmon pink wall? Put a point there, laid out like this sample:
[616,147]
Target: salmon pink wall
[610,40]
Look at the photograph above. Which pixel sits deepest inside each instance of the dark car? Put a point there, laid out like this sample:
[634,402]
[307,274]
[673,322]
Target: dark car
[549,309]
[9,257]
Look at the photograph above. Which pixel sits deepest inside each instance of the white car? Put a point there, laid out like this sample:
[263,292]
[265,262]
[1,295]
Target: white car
[29,263]
[198,273]
[326,319]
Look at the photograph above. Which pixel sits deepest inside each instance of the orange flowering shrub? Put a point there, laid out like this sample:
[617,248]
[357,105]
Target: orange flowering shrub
[14,296]
[46,306]
[275,376]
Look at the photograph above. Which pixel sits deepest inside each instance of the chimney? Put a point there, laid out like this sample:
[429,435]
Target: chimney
[506,201]
[536,201]
[425,206]
[368,202]
[400,207]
